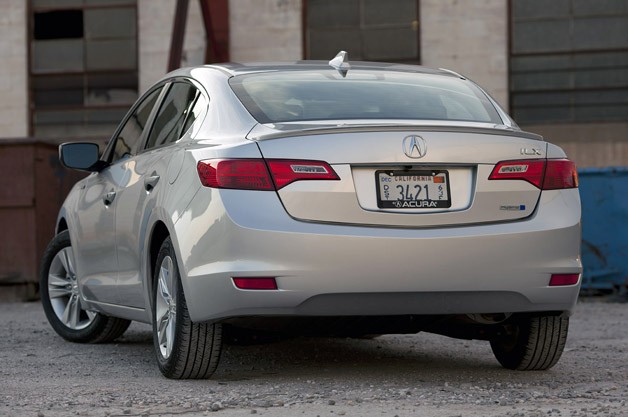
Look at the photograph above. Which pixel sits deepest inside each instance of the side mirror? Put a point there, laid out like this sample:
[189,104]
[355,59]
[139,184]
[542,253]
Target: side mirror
[80,155]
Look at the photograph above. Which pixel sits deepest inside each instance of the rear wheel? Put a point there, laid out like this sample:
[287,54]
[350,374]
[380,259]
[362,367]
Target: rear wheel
[534,343]
[61,299]
[185,350]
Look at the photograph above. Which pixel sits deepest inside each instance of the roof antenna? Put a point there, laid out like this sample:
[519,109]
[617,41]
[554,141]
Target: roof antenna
[341,63]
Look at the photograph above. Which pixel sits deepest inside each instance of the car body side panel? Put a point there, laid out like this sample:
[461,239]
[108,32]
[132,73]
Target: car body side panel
[134,206]
[227,119]
[555,152]
[94,233]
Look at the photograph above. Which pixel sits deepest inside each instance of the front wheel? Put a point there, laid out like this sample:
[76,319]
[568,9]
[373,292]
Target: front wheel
[61,298]
[185,350]
[534,343]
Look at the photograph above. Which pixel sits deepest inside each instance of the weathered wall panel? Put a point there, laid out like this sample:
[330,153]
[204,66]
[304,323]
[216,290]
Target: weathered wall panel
[13,66]
[589,144]
[469,37]
[18,262]
[33,186]
[265,30]
[16,185]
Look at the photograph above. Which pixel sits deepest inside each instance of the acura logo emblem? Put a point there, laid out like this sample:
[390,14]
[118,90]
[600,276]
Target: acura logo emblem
[414,146]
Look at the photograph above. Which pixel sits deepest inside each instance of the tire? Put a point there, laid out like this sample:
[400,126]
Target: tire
[60,297]
[534,343]
[184,349]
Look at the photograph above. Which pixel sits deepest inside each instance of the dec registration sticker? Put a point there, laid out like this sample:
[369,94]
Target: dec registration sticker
[412,189]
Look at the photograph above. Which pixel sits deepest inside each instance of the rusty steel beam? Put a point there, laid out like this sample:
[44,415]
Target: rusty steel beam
[178,34]
[216,21]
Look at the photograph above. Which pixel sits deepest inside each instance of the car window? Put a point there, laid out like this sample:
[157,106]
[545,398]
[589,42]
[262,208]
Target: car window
[172,114]
[197,110]
[128,141]
[326,95]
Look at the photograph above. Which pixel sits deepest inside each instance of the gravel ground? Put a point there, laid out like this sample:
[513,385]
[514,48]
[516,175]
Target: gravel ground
[410,375]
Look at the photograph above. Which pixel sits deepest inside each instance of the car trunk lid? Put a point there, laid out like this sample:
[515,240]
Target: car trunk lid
[457,158]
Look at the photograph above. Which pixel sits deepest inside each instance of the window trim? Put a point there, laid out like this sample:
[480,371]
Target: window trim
[144,146]
[108,153]
[198,86]
[165,86]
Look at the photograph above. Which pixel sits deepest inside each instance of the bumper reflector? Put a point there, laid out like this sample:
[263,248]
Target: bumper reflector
[564,279]
[255,283]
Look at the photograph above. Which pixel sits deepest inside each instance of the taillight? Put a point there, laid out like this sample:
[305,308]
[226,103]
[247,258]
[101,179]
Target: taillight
[560,173]
[286,171]
[254,174]
[550,174]
[530,170]
[243,174]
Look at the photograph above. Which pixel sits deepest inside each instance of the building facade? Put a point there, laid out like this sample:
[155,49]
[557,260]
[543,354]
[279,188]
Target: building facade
[72,67]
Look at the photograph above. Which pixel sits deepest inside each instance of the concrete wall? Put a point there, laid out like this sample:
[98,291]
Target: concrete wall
[156,18]
[589,144]
[265,30]
[469,37]
[14,69]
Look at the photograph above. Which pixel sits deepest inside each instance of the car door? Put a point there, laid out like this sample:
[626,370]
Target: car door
[96,254]
[141,195]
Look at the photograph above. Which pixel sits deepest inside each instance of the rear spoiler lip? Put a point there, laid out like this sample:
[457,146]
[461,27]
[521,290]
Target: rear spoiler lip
[267,132]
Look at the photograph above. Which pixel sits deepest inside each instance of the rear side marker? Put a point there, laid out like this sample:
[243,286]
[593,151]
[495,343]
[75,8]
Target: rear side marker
[257,283]
[563,279]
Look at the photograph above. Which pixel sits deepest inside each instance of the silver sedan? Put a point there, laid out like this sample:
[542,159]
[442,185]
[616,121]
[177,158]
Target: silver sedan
[341,198]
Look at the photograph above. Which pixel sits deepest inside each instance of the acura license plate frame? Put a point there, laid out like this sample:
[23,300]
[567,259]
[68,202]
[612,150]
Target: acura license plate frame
[416,189]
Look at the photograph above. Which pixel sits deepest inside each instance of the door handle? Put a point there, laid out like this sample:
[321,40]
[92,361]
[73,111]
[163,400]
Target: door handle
[109,197]
[150,182]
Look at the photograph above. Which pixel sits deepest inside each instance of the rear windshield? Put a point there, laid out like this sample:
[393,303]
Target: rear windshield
[274,97]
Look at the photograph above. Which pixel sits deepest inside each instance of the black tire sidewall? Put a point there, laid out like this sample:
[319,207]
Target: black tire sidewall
[196,347]
[537,345]
[511,352]
[86,335]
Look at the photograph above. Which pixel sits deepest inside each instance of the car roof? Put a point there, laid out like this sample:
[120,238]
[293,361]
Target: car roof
[236,68]
[232,69]
[253,67]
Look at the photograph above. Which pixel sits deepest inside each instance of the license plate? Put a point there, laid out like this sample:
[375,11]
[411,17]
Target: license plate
[412,189]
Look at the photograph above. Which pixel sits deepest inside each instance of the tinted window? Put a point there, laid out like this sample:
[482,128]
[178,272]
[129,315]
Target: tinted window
[172,114]
[128,140]
[197,110]
[326,95]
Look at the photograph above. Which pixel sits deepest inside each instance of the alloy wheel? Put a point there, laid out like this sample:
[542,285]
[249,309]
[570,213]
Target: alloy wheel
[63,292]
[166,307]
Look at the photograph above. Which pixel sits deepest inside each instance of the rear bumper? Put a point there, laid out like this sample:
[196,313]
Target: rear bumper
[341,270]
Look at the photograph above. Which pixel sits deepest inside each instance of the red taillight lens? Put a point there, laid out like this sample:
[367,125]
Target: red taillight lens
[529,170]
[243,174]
[559,174]
[551,174]
[563,279]
[255,283]
[286,171]
[253,174]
